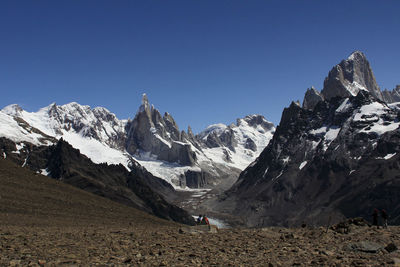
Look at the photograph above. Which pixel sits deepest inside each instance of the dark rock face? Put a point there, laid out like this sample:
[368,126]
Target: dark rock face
[324,165]
[195,179]
[149,132]
[349,77]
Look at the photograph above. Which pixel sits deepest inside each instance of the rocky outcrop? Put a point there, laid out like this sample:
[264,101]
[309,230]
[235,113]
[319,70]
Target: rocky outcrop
[312,98]
[349,77]
[391,96]
[195,179]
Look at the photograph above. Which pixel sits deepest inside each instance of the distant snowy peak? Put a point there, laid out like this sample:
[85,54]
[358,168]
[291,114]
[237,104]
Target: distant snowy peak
[212,129]
[53,120]
[18,131]
[257,122]
[349,77]
[237,144]
[12,110]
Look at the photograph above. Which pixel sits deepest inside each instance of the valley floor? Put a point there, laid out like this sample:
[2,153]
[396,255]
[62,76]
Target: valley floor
[44,222]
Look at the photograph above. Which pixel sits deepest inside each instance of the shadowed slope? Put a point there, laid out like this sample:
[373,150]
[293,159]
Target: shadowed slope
[27,198]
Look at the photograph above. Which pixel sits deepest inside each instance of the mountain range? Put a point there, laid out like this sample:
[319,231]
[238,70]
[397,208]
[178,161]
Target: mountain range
[139,162]
[334,156]
[151,140]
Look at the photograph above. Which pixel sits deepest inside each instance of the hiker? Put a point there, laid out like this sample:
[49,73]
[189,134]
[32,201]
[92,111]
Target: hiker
[199,219]
[205,220]
[384,216]
[375,218]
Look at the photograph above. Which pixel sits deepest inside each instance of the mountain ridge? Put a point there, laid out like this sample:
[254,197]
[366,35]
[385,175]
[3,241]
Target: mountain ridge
[149,139]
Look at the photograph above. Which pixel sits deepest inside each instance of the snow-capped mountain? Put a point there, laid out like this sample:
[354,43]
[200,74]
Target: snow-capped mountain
[237,144]
[151,140]
[336,156]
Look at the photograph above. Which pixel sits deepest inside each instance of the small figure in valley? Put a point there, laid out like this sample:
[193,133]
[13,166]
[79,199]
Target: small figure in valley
[199,219]
[384,216]
[205,220]
[375,218]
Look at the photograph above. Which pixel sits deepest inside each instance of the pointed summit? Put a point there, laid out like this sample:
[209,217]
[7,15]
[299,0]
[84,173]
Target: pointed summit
[150,132]
[145,104]
[312,98]
[356,55]
[145,100]
[349,77]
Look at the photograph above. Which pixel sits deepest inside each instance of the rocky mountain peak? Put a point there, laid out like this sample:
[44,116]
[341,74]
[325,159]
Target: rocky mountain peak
[190,132]
[145,107]
[349,77]
[149,132]
[312,98]
[255,121]
[357,55]
[145,101]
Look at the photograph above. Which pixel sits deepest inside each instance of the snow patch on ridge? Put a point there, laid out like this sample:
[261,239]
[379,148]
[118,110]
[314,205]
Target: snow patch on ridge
[95,150]
[12,130]
[388,156]
[304,163]
[346,104]
[355,87]
[44,172]
[327,133]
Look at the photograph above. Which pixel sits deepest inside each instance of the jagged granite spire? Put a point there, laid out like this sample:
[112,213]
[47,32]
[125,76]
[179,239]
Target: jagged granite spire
[349,77]
[392,96]
[150,132]
[145,107]
[312,98]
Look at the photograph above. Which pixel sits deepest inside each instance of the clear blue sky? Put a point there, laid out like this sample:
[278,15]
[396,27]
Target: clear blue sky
[202,61]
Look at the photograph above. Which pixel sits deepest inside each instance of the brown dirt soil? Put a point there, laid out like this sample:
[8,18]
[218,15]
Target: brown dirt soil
[45,222]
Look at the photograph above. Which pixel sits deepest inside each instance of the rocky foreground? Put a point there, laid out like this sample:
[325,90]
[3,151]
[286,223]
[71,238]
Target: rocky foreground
[167,246]
[44,222]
